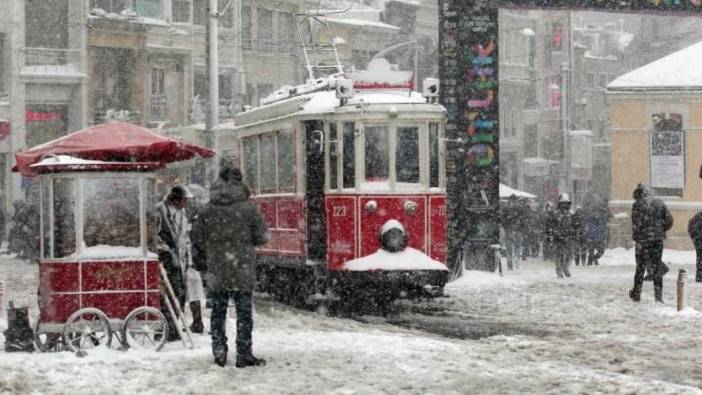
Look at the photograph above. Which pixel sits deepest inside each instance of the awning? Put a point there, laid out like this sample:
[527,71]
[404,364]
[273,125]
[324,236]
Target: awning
[112,142]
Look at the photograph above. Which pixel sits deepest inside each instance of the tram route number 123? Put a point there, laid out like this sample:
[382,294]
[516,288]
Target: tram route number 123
[339,211]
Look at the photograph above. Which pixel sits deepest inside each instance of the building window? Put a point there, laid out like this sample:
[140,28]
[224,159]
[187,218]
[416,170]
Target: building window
[200,12]
[246,26]
[287,32]
[158,81]
[547,51]
[557,37]
[264,26]
[181,11]
[531,141]
[114,6]
[3,60]
[149,8]
[225,20]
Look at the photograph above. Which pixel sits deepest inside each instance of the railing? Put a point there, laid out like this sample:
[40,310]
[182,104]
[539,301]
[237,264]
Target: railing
[53,60]
[159,107]
[198,110]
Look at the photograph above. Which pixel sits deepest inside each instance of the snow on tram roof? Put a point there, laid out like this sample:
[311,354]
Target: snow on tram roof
[326,101]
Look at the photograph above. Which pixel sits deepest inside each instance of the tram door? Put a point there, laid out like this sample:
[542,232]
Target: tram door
[314,187]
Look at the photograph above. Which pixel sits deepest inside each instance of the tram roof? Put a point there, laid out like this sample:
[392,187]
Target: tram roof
[325,102]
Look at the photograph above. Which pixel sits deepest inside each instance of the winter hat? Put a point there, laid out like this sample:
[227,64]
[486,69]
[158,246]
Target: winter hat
[179,192]
[228,173]
[642,190]
[563,198]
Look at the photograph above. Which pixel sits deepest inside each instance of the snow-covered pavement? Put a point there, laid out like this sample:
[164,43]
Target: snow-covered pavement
[579,335]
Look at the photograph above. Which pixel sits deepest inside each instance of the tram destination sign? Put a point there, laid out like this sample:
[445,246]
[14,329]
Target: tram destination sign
[468,71]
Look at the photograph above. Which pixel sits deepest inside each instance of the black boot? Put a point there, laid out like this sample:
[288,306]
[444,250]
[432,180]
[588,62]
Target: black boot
[245,360]
[196,326]
[220,359]
[634,296]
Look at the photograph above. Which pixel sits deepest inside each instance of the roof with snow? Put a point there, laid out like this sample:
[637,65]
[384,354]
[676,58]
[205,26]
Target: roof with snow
[678,71]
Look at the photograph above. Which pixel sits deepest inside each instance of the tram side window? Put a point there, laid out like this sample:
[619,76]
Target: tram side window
[376,149]
[407,155]
[433,155]
[267,161]
[333,159]
[251,162]
[285,159]
[349,157]
[64,221]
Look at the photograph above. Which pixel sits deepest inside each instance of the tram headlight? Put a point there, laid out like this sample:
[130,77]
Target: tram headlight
[410,207]
[393,237]
[371,206]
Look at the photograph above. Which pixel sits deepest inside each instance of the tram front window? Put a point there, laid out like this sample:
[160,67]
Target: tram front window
[376,153]
[407,155]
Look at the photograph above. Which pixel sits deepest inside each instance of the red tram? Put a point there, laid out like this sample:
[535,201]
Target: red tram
[349,174]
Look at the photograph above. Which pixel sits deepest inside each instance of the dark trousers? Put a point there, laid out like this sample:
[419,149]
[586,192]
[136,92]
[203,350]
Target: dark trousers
[698,251]
[649,256]
[562,255]
[243,301]
[579,250]
[595,250]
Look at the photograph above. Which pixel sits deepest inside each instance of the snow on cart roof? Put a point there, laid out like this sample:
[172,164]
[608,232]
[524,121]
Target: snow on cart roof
[679,70]
[112,142]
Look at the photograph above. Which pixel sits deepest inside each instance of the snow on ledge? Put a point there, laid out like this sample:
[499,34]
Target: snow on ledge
[409,259]
[103,251]
[66,160]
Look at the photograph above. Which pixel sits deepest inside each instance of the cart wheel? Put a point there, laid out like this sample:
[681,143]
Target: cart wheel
[145,328]
[87,328]
[47,341]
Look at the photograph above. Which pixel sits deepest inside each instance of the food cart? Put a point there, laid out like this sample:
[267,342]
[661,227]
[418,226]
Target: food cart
[100,277]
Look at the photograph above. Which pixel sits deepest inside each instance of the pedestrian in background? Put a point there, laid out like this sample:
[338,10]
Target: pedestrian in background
[694,229]
[650,220]
[226,231]
[511,219]
[596,218]
[561,233]
[578,241]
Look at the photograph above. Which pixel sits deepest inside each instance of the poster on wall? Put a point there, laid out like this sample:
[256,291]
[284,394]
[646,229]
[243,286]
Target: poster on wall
[667,159]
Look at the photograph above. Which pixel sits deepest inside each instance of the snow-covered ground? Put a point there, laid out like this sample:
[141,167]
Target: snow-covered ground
[544,335]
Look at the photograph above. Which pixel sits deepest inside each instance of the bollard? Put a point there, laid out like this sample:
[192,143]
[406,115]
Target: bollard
[682,274]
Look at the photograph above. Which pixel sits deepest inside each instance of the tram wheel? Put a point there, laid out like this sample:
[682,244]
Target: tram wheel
[145,328]
[87,328]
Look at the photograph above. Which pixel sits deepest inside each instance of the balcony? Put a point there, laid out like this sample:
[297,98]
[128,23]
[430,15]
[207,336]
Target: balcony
[228,108]
[54,65]
[273,47]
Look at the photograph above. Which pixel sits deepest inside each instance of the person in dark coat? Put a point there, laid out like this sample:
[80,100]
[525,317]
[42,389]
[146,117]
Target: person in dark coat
[560,231]
[546,225]
[2,225]
[650,220]
[225,233]
[579,247]
[596,217]
[511,219]
[24,235]
[172,246]
[694,229]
